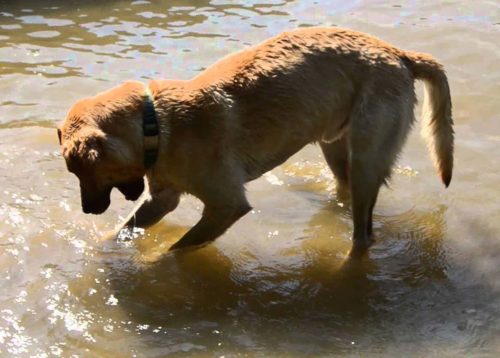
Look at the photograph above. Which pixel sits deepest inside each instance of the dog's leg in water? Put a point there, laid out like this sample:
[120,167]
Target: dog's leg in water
[379,126]
[152,208]
[364,190]
[337,157]
[365,166]
[221,210]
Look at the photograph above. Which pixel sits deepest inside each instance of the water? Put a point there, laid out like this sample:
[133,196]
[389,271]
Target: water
[277,284]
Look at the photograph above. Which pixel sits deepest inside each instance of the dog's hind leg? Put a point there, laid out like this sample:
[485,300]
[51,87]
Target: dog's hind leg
[337,157]
[364,190]
[379,125]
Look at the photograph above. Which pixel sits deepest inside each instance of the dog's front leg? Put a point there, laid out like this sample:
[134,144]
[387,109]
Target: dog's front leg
[216,219]
[152,208]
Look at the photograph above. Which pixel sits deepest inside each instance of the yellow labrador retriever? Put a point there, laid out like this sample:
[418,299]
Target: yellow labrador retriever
[350,92]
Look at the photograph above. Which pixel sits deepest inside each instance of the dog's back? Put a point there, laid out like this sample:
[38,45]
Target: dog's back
[308,84]
[351,92]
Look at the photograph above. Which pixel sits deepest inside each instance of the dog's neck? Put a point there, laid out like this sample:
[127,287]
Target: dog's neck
[150,130]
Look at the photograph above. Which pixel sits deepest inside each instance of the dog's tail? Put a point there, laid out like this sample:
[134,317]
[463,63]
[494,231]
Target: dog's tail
[438,123]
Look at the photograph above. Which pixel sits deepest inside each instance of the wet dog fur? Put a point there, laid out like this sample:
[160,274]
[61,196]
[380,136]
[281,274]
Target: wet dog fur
[350,92]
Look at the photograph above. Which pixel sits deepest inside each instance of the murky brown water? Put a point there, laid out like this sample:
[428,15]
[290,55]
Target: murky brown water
[276,284]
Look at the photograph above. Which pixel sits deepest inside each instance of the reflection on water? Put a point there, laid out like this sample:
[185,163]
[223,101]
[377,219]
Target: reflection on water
[236,298]
[277,283]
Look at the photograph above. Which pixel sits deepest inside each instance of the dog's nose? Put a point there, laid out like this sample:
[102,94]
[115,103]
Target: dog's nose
[95,211]
[94,201]
[95,207]
[88,209]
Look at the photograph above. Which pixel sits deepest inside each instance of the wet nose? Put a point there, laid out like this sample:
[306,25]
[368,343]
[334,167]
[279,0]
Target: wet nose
[95,205]
[94,200]
[95,209]
[86,209]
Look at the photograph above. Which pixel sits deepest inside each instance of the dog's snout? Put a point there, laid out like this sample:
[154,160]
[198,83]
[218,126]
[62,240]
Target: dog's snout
[95,208]
[86,209]
[94,201]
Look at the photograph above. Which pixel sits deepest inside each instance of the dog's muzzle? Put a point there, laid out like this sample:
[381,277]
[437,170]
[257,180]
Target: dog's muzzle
[94,201]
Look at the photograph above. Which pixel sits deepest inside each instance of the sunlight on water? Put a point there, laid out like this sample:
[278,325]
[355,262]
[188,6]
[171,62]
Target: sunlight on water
[278,283]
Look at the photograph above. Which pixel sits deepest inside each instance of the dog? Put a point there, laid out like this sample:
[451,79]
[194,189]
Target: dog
[249,112]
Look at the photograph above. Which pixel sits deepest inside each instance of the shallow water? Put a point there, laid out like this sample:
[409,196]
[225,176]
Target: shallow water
[277,283]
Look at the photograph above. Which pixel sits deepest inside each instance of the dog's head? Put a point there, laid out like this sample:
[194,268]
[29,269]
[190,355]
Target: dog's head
[103,151]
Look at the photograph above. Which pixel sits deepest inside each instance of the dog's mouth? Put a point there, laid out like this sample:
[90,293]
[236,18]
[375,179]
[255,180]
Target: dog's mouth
[132,190]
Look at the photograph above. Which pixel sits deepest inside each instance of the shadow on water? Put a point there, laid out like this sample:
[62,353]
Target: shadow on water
[307,299]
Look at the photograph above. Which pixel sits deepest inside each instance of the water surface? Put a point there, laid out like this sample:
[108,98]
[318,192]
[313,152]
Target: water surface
[277,283]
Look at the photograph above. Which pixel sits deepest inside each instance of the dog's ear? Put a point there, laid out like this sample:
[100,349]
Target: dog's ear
[87,147]
[59,134]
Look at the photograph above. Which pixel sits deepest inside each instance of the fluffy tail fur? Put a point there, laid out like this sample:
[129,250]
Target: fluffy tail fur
[438,123]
